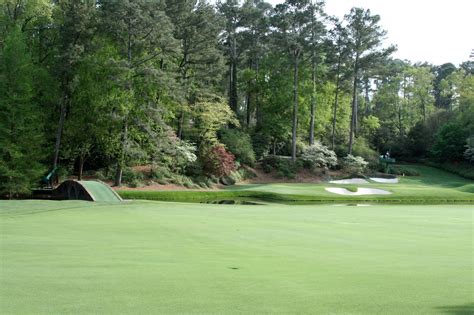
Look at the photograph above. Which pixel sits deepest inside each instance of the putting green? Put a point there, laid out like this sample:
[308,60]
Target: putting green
[173,258]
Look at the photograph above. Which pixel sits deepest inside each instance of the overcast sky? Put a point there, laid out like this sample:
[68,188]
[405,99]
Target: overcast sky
[436,31]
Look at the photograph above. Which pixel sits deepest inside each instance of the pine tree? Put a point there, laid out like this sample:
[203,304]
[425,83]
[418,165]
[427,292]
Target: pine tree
[316,30]
[231,14]
[365,39]
[254,44]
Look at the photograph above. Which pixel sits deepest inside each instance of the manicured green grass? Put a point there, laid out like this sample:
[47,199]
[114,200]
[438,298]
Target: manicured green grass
[433,186]
[144,257]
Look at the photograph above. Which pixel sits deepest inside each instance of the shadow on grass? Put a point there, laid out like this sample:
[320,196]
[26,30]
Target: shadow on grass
[433,176]
[466,309]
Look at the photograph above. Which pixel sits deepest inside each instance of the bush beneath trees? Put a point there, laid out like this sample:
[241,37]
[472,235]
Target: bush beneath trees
[403,171]
[282,165]
[361,148]
[218,161]
[239,144]
[469,153]
[318,155]
[355,165]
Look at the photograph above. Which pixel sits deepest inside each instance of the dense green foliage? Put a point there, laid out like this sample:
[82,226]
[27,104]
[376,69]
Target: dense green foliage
[90,85]
[240,144]
[21,118]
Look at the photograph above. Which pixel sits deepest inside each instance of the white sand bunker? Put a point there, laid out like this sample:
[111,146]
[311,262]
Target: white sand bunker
[360,191]
[384,180]
[350,181]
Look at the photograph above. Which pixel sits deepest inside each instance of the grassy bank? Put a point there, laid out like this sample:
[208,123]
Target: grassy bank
[462,169]
[433,186]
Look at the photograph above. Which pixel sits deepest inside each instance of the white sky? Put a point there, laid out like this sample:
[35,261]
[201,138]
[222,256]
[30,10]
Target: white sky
[436,31]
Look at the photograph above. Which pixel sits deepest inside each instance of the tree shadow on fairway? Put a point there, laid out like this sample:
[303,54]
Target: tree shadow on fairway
[431,176]
[466,309]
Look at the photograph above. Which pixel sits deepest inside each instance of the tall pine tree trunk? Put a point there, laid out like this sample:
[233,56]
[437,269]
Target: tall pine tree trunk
[81,166]
[248,98]
[313,104]
[59,131]
[180,125]
[259,112]
[295,107]
[336,103]
[353,126]
[313,75]
[423,109]
[121,159]
[367,110]
[400,122]
[233,77]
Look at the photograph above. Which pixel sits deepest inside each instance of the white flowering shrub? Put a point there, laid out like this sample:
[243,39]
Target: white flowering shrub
[354,164]
[318,155]
[469,153]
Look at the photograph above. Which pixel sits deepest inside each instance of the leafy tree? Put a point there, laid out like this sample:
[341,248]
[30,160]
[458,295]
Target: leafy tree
[146,43]
[210,116]
[74,20]
[21,119]
[90,119]
[450,143]
[443,97]
[291,20]
[459,85]
[197,27]
[273,130]
[420,90]
[24,14]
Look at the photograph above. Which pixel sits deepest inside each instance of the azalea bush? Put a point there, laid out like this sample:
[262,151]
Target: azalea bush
[218,161]
[469,153]
[354,164]
[318,155]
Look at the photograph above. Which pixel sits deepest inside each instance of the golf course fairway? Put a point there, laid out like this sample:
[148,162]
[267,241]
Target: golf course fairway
[146,257]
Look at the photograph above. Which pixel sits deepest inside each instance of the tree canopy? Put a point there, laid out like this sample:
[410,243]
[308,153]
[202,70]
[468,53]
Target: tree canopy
[106,85]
